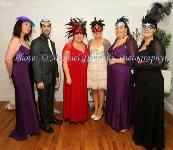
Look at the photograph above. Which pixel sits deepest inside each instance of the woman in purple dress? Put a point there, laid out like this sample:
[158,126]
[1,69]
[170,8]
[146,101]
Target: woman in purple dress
[18,65]
[119,78]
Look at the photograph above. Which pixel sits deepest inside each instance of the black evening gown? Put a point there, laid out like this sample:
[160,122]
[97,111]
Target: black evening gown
[149,98]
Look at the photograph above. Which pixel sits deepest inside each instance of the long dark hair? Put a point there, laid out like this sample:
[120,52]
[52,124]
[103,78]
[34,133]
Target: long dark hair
[128,30]
[18,29]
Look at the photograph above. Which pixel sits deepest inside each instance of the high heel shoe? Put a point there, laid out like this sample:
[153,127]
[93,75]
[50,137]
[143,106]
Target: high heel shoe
[98,117]
[93,116]
[124,130]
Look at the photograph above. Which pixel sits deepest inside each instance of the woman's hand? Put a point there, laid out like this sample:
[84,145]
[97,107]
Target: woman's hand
[57,85]
[10,72]
[69,81]
[117,61]
[112,61]
[40,85]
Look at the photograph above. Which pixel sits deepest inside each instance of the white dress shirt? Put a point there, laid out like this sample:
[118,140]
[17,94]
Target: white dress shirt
[50,46]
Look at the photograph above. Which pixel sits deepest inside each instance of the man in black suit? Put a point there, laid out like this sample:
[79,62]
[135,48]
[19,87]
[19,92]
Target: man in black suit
[46,75]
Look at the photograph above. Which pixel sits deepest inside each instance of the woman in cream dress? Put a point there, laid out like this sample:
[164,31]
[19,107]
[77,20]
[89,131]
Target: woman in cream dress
[97,67]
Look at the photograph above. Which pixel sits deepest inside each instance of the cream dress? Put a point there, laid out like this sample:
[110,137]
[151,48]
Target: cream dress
[97,66]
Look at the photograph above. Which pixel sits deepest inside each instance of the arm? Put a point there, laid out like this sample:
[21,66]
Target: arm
[57,72]
[107,45]
[36,64]
[159,52]
[13,47]
[117,61]
[132,49]
[89,44]
[65,57]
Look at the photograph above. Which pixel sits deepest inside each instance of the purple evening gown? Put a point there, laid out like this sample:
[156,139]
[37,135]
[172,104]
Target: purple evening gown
[26,111]
[119,88]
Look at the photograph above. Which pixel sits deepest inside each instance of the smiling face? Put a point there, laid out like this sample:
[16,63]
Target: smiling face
[79,37]
[97,31]
[148,30]
[26,27]
[46,29]
[121,31]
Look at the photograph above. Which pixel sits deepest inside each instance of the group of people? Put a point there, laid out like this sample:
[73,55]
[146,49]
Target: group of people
[131,99]
[25,72]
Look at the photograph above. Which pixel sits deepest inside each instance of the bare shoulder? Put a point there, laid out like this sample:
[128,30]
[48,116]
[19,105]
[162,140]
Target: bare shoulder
[13,45]
[15,40]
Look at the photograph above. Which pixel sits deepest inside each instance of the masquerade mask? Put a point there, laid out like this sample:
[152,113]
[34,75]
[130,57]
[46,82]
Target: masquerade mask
[148,26]
[77,31]
[95,30]
[76,26]
[120,24]
[25,19]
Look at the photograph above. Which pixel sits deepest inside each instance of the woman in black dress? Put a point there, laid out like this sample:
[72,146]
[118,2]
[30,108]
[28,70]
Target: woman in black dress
[149,88]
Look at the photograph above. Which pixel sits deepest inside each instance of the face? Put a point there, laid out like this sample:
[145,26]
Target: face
[79,37]
[46,29]
[26,27]
[148,30]
[97,31]
[121,31]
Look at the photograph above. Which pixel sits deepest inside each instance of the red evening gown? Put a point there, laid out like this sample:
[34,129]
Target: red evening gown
[76,94]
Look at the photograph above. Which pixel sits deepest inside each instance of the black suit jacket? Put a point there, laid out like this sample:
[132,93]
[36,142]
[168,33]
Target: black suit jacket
[44,64]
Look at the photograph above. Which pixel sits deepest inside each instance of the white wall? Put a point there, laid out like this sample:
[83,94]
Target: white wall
[59,12]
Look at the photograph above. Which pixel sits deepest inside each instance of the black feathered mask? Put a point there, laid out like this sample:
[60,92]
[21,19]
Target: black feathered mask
[157,13]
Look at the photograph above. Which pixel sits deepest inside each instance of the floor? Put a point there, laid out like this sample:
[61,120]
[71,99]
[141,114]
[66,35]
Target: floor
[92,135]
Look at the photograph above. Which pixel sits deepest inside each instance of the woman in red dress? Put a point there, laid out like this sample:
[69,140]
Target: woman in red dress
[75,55]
